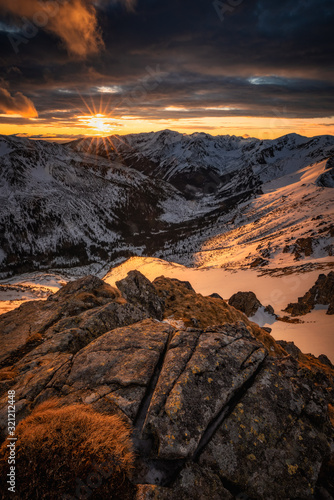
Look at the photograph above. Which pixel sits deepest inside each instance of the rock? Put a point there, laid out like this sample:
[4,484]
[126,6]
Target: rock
[219,410]
[183,303]
[290,348]
[199,377]
[139,290]
[125,357]
[247,302]
[321,293]
[193,483]
[198,483]
[24,328]
[270,310]
[324,360]
[327,178]
[216,296]
[259,262]
[186,284]
[303,246]
[267,445]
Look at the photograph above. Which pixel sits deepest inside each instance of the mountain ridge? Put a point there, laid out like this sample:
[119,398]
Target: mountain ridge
[93,201]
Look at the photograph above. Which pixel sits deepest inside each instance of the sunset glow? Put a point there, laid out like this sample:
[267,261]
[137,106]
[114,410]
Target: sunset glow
[97,124]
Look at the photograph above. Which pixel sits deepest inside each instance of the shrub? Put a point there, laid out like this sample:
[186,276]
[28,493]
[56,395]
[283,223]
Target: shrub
[70,452]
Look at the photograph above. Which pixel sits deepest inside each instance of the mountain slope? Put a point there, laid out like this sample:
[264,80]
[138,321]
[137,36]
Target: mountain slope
[292,221]
[62,208]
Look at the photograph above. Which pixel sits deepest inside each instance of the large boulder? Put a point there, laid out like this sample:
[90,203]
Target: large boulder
[268,445]
[247,302]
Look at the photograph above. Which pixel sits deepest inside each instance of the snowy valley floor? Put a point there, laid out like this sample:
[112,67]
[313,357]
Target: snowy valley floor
[314,334]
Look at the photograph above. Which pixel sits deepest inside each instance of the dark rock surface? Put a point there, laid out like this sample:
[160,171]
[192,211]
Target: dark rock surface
[139,290]
[321,293]
[218,412]
[248,303]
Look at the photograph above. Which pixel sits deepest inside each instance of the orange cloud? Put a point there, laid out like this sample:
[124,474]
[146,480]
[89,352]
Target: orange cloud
[74,22]
[17,104]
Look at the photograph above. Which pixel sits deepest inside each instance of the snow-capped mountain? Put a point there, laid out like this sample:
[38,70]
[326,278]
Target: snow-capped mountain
[194,199]
[201,163]
[62,208]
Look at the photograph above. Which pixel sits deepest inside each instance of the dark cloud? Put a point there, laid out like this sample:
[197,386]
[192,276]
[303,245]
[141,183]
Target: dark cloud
[264,58]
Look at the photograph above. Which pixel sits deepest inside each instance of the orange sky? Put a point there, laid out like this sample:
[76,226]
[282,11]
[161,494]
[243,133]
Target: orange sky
[102,125]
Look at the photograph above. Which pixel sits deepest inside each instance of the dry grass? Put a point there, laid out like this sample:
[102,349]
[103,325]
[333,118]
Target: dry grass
[184,304]
[8,373]
[58,447]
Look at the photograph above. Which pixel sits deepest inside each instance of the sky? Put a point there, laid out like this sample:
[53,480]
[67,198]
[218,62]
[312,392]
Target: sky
[259,68]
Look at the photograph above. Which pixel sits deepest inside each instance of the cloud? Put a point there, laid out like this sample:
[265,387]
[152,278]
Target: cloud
[268,58]
[17,104]
[74,22]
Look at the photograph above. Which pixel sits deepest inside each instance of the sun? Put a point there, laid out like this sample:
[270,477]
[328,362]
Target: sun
[97,124]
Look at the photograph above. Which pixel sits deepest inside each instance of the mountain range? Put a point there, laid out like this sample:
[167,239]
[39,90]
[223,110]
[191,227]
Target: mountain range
[196,199]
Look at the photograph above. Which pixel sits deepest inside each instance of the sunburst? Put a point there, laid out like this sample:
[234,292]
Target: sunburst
[100,125]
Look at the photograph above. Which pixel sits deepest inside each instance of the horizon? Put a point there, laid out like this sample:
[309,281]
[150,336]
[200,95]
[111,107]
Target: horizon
[92,137]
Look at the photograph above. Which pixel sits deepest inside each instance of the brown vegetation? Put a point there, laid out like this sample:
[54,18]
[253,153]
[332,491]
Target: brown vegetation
[182,302]
[70,450]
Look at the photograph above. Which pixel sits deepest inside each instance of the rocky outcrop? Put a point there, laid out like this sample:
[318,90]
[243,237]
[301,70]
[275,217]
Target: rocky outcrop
[321,293]
[267,445]
[248,303]
[139,291]
[68,320]
[327,178]
[217,411]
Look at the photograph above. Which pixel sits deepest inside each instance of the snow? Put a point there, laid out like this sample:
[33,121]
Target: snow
[283,213]
[173,152]
[4,148]
[314,335]
[30,286]
[77,198]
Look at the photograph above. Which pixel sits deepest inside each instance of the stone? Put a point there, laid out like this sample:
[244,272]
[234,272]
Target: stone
[138,290]
[196,383]
[24,328]
[267,445]
[247,302]
[218,410]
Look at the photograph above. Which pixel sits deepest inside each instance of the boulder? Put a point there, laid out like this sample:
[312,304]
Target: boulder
[247,302]
[267,445]
[24,328]
[138,290]
[202,372]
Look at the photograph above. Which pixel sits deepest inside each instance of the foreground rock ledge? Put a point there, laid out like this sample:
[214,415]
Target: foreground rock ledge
[217,410]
